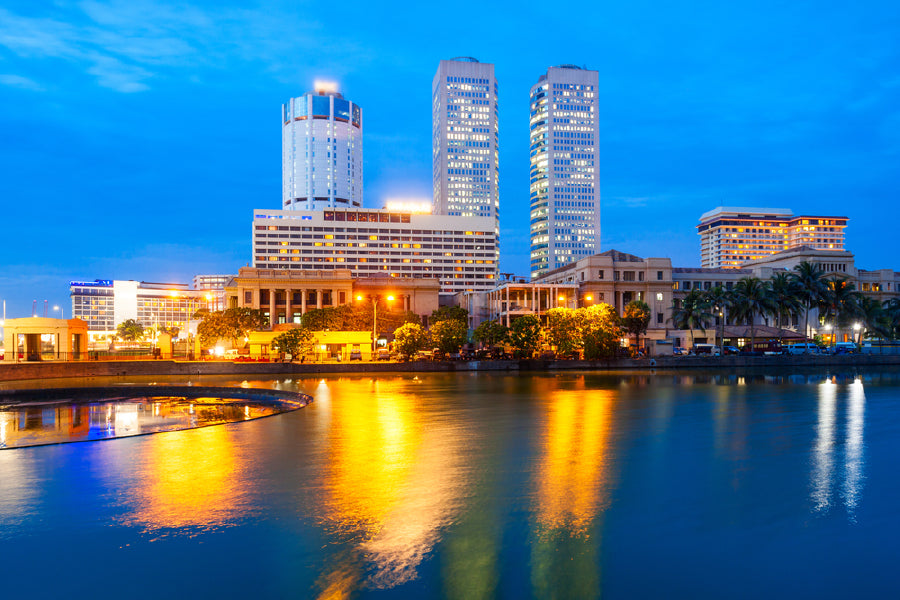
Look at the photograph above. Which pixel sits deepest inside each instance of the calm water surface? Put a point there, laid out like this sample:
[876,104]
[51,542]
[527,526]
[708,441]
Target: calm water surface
[480,486]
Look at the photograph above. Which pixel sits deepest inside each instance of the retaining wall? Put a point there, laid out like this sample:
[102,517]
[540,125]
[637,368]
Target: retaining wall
[51,370]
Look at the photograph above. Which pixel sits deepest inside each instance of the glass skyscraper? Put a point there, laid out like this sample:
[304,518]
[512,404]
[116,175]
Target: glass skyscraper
[465,139]
[321,151]
[565,181]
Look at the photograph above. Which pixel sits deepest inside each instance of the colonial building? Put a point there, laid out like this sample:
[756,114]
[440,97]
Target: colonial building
[285,295]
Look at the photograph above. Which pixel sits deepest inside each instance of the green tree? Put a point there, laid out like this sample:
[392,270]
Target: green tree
[298,341]
[719,300]
[445,313]
[600,331]
[691,312]
[232,324]
[563,330]
[525,335]
[811,286]
[491,333]
[786,298]
[636,320]
[872,318]
[838,304]
[449,335]
[130,330]
[751,299]
[409,338]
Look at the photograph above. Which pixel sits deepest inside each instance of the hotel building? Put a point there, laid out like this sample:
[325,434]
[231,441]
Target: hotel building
[565,180]
[731,236]
[322,160]
[104,303]
[465,139]
[460,252]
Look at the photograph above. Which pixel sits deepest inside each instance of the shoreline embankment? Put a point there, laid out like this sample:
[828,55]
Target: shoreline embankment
[55,370]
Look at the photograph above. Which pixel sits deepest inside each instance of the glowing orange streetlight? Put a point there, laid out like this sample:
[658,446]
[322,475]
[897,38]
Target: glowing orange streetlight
[375,299]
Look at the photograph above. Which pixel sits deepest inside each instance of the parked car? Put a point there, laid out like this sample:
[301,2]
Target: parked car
[355,353]
[730,350]
[679,351]
[382,354]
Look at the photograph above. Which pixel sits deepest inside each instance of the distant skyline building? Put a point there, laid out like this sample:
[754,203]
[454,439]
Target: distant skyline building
[565,178]
[465,139]
[105,303]
[322,151]
[732,235]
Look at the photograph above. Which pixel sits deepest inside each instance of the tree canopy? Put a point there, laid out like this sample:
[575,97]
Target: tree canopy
[491,333]
[296,342]
[232,324]
[449,335]
[445,313]
[409,338]
[636,319]
[130,330]
[525,335]
[564,329]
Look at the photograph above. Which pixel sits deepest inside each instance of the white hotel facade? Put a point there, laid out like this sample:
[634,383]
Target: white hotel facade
[461,252]
[322,157]
[565,179]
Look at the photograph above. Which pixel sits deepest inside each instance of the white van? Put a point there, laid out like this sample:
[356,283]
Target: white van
[801,349]
[706,349]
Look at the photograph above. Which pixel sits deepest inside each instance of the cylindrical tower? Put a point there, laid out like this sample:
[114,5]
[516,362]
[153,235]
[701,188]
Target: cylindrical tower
[321,151]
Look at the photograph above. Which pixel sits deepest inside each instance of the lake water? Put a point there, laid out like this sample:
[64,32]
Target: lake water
[480,485]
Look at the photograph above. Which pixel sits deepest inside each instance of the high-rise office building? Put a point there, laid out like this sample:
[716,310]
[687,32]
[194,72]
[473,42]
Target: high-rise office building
[322,159]
[731,236]
[565,180]
[465,139]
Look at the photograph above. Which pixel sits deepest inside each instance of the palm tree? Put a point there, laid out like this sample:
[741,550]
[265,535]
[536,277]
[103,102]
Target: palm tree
[786,299]
[692,312]
[839,304]
[751,298]
[892,317]
[810,279]
[871,315]
[720,299]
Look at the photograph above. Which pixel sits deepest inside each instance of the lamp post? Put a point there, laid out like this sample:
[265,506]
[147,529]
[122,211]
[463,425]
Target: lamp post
[62,311]
[375,299]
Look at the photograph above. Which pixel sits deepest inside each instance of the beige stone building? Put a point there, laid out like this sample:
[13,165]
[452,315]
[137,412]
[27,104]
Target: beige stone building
[40,338]
[284,295]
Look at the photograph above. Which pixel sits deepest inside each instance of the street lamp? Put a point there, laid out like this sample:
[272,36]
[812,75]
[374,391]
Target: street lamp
[62,313]
[375,299]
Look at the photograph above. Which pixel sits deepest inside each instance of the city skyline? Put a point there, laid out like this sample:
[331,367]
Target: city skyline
[137,144]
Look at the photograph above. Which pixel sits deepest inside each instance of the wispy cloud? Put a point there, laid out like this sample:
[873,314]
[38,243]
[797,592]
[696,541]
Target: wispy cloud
[125,45]
[20,82]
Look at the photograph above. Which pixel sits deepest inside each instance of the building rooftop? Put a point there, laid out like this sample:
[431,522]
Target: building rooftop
[771,213]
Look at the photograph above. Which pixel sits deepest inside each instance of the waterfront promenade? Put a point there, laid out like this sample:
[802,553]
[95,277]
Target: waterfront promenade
[131,368]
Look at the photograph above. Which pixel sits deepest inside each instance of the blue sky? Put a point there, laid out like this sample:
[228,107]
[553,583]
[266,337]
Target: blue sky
[137,137]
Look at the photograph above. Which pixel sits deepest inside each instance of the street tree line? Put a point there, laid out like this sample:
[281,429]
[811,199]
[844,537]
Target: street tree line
[787,296]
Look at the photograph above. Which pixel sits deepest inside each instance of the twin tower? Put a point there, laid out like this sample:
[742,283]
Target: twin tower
[322,154]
